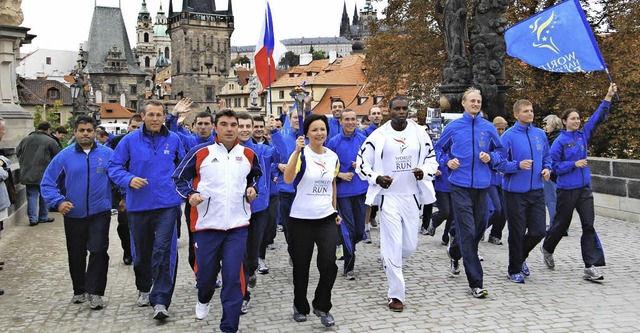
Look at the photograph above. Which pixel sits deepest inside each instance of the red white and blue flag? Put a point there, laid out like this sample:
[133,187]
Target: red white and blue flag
[268,51]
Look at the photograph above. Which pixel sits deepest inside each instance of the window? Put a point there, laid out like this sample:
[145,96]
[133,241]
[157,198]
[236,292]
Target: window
[133,89]
[236,102]
[208,93]
[133,105]
[362,100]
[146,37]
[147,62]
[112,89]
[246,102]
[281,94]
[48,60]
[53,93]
[228,101]
[166,52]
[113,101]
[109,110]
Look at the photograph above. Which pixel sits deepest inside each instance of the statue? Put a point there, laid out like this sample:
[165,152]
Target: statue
[11,12]
[253,90]
[455,27]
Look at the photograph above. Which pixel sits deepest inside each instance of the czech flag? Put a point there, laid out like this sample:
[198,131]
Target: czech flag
[268,51]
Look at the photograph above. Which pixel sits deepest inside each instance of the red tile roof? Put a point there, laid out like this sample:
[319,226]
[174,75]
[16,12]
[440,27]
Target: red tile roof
[115,110]
[36,92]
[342,72]
[354,98]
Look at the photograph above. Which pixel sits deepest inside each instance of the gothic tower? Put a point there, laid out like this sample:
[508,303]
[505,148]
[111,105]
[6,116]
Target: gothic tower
[145,51]
[345,30]
[201,45]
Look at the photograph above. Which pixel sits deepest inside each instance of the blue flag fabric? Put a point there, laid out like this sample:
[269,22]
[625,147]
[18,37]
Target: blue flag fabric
[558,39]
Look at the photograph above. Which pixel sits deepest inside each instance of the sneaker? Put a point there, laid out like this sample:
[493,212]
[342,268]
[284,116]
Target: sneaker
[480,257]
[325,318]
[479,292]
[444,242]
[218,283]
[454,267]
[431,230]
[525,269]
[350,276]
[95,302]
[262,266]
[297,316]
[494,240]
[271,247]
[127,260]
[516,278]
[279,228]
[339,252]
[592,274]
[395,305]
[245,307]
[160,312]
[253,280]
[47,220]
[373,222]
[143,299]
[367,239]
[423,231]
[77,299]
[548,258]
[202,310]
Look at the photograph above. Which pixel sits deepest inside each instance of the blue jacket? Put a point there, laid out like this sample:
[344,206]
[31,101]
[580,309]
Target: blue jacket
[442,182]
[85,179]
[347,147]
[334,128]
[372,127]
[524,143]
[266,155]
[464,139]
[285,144]
[189,140]
[153,157]
[572,146]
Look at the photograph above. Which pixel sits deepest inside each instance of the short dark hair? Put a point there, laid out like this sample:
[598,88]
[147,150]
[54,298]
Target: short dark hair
[280,120]
[84,120]
[135,117]
[364,118]
[313,117]
[398,98]
[103,134]
[258,117]
[62,130]
[204,114]
[225,113]
[567,112]
[337,100]
[155,102]
[245,116]
[44,126]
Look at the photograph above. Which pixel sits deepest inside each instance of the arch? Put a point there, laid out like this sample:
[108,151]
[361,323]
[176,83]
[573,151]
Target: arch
[146,37]
[147,62]
[167,52]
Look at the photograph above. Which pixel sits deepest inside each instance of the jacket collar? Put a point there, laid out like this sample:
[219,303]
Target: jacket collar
[164,131]
[81,150]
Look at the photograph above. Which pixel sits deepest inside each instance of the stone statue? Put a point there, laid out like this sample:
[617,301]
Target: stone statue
[455,26]
[11,12]
[253,90]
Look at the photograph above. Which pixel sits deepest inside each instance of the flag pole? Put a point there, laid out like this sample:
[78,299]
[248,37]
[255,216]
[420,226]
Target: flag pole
[606,70]
[270,84]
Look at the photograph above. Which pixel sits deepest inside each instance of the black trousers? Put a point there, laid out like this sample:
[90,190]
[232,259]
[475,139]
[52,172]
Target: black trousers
[255,233]
[527,223]
[88,234]
[304,234]
[192,253]
[270,230]
[580,199]
[444,213]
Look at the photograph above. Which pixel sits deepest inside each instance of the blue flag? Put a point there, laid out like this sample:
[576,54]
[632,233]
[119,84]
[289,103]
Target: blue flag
[558,39]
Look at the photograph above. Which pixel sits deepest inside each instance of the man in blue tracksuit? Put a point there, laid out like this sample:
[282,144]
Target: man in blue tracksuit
[351,190]
[86,207]
[152,205]
[259,207]
[335,128]
[470,146]
[527,166]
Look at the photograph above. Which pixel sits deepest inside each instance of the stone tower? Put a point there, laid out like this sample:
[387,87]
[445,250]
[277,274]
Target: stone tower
[145,51]
[201,45]
[345,28]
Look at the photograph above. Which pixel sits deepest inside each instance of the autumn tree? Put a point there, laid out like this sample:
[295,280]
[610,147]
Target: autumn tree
[408,56]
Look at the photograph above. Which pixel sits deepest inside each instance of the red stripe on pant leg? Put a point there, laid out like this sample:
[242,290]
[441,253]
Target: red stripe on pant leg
[243,285]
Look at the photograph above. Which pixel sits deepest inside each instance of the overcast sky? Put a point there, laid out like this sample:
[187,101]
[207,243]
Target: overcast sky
[64,24]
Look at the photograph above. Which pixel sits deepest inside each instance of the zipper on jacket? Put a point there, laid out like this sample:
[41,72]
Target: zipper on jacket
[473,148]
[88,182]
[581,169]
[207,211]
[531,153]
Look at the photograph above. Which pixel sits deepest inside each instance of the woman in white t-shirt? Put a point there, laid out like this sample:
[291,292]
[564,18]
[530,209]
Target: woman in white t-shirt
[313,169]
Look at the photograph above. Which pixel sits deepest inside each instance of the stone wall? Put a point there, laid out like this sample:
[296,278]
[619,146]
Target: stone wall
[616,187]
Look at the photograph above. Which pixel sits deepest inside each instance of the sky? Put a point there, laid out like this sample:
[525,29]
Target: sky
[64,24]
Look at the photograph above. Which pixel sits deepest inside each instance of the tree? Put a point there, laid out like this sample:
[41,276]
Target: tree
[240,60]
[50,115]
[289,60]
[408,57]
[318,55]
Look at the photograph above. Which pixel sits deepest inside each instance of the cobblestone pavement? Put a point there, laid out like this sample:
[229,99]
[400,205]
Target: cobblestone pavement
[38,290]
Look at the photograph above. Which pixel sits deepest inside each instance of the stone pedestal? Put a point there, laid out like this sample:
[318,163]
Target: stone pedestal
[254,110]
[19,122]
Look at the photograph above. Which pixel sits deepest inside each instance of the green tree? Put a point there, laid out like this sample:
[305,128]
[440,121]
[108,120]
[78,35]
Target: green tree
[318,55]
[241,61]
[50,114]
[289,60]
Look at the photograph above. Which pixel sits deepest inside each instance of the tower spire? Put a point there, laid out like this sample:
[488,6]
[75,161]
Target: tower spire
[229,9]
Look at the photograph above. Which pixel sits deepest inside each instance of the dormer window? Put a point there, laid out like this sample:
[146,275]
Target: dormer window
[53,93]
[361,100]
[377,100]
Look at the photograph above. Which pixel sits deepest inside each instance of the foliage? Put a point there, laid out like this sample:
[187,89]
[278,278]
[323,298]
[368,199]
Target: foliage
[408,56]
[289,60]
[50,115]
[318,55]
[244,60]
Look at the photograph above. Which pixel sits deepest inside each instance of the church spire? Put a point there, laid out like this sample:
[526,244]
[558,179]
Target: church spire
[355,14]
[345,30]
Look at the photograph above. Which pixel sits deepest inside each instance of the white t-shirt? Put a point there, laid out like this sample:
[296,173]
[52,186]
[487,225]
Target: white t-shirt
[314,184]
[399,157]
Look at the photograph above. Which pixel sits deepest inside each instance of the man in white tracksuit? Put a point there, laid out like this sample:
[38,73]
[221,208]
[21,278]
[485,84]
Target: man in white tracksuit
[398,162]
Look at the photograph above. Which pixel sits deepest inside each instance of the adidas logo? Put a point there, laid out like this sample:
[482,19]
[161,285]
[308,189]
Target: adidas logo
[215,160]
